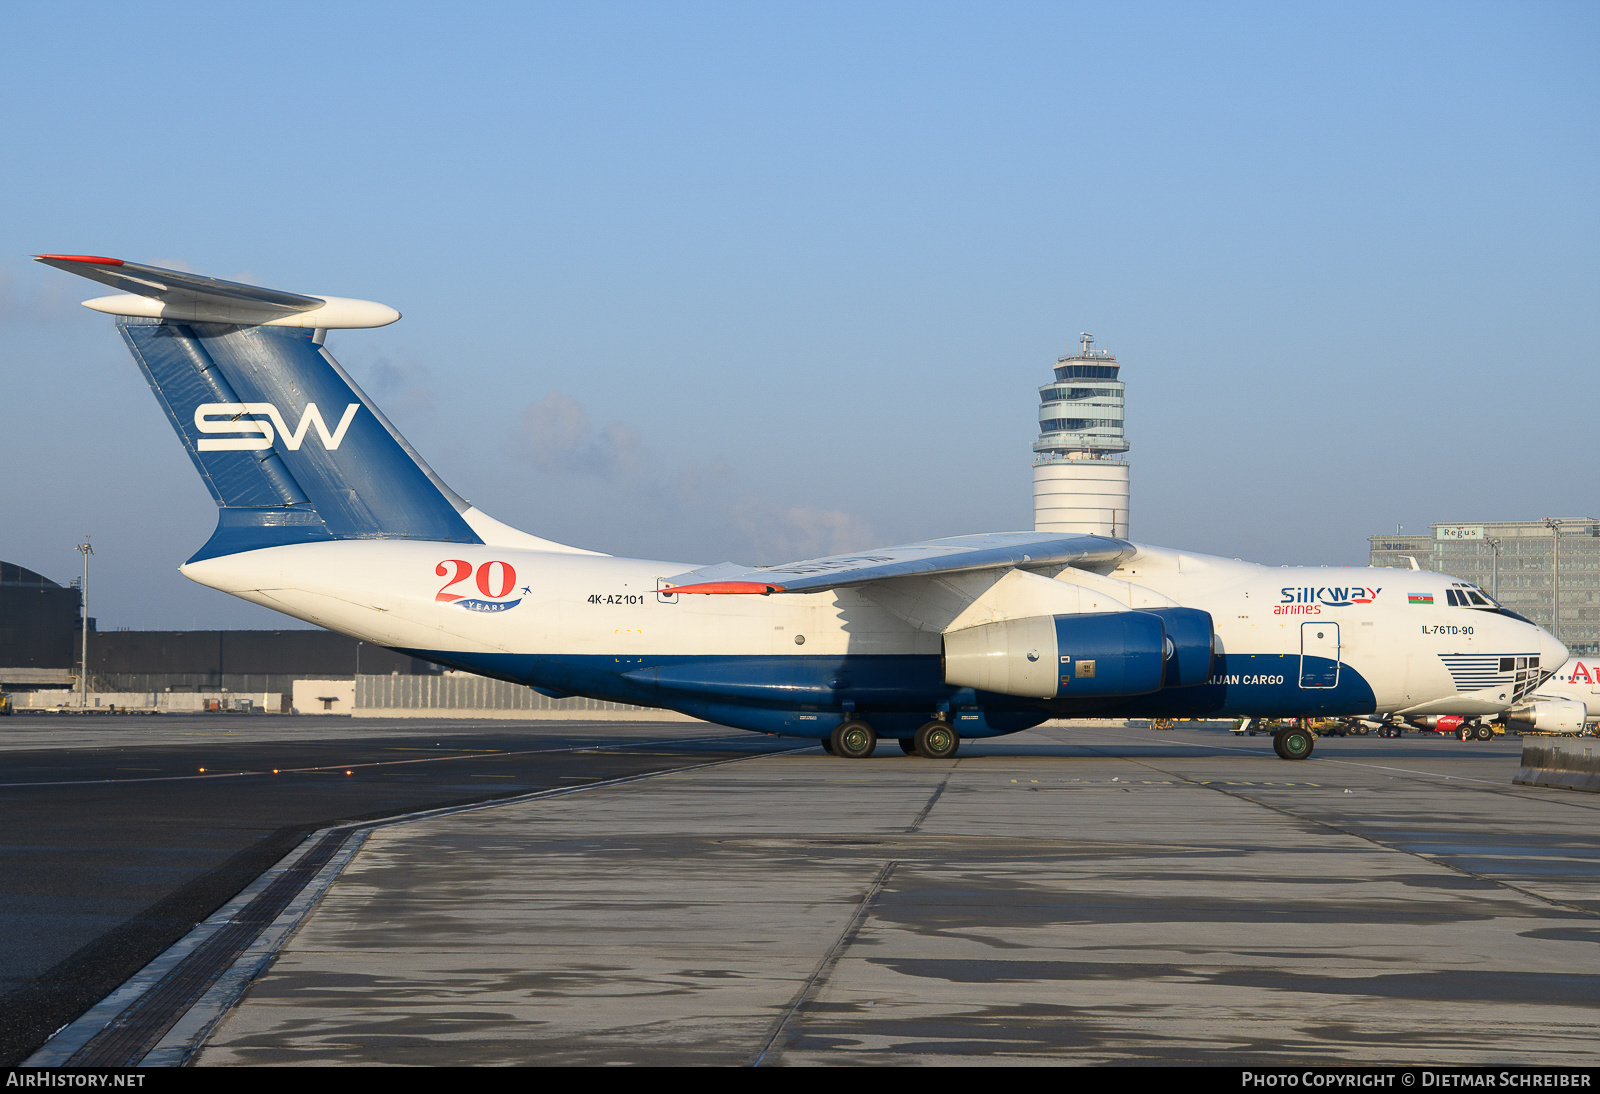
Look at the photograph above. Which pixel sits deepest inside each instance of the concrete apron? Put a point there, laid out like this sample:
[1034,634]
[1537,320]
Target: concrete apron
[1022,908]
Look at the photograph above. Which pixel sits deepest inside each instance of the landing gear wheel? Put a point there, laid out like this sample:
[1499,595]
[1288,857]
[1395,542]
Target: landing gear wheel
[1465,733]
[937,740]
[827,745]
[908,746]
[1485,733]
[1293,744]
[854,740]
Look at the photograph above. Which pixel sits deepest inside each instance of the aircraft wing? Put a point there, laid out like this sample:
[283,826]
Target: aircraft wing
[935,556]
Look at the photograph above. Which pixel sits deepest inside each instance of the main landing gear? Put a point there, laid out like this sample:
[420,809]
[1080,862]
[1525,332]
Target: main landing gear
[937,740]
[856,740]
[853,739]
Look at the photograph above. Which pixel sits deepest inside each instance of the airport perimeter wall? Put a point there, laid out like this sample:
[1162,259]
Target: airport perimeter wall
[161,702]
[463,695]
[456,694]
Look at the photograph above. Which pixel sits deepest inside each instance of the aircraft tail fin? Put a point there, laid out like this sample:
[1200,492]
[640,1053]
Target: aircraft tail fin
[288,445]
[289,448]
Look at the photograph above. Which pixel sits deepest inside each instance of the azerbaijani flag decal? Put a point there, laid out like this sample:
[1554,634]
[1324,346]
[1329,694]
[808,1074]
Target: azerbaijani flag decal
[1419,598]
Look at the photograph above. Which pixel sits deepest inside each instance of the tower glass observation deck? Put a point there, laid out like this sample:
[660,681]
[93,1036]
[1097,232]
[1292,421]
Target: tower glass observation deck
[1081,413]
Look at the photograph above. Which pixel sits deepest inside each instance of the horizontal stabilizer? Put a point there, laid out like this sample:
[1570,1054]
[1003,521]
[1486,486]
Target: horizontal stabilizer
[156,293]
[938,556]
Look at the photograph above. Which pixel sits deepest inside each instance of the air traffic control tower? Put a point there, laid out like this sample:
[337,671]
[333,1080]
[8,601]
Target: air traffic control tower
[1080,480]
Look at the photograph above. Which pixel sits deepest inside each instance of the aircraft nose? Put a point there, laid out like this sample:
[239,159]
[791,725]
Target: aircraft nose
[1552,654]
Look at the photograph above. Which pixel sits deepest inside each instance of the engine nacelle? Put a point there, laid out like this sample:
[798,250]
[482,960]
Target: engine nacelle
[1061,656]
[1549,716]
[1189,646]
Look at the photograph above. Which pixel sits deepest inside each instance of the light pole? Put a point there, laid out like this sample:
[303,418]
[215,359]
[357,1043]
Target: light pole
[1555,576]
[1494,545]
[83,681]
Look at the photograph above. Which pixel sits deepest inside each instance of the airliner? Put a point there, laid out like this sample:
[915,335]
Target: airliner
[1565,703]
[327,514]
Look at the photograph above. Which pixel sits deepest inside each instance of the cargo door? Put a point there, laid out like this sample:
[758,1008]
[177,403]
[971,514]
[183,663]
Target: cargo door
[1319,655]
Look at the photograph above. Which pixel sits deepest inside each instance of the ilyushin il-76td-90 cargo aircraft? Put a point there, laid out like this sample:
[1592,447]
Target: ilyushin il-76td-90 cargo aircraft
[330,516]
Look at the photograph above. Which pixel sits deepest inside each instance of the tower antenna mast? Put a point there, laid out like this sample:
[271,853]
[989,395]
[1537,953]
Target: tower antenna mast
[83,598]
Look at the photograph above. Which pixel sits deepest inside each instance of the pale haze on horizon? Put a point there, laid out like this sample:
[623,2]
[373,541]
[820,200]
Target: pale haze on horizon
[761,282]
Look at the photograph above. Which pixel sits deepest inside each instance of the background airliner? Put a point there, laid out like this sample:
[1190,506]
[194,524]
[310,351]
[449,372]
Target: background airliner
[327,514]
[1565,702]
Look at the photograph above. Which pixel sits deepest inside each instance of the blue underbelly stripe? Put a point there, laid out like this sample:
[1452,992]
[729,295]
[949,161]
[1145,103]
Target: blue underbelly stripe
[807,695]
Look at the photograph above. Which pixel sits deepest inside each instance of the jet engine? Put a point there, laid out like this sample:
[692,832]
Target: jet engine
[1087,656]
[1189,646]
[1549,716]
[1438,723]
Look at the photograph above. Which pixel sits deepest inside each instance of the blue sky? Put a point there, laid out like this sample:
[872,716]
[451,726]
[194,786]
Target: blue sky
[759,281]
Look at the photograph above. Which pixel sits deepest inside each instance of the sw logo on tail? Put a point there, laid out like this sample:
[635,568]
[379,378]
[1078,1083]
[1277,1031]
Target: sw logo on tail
[231,418]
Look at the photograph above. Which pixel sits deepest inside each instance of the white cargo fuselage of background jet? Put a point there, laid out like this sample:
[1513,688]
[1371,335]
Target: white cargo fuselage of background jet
[328,515]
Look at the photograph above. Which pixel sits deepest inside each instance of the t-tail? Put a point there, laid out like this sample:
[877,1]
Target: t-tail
[289,446]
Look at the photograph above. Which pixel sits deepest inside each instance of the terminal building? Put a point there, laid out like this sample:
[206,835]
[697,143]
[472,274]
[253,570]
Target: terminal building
[1080,479]
[1547,570]
[39,635]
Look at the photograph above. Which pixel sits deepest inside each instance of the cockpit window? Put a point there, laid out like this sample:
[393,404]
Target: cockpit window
[1466,596]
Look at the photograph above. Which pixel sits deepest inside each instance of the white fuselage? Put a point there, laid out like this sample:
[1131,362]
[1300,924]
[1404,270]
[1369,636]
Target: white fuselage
[466,603]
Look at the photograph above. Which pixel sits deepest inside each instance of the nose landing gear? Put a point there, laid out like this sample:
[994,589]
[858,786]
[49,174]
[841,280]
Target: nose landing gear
[1294,743]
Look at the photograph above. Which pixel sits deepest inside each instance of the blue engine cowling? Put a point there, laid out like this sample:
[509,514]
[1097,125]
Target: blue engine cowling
[1189,646]
[1120,653]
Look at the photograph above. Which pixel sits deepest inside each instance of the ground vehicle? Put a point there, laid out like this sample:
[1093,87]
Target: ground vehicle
[1344,727]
